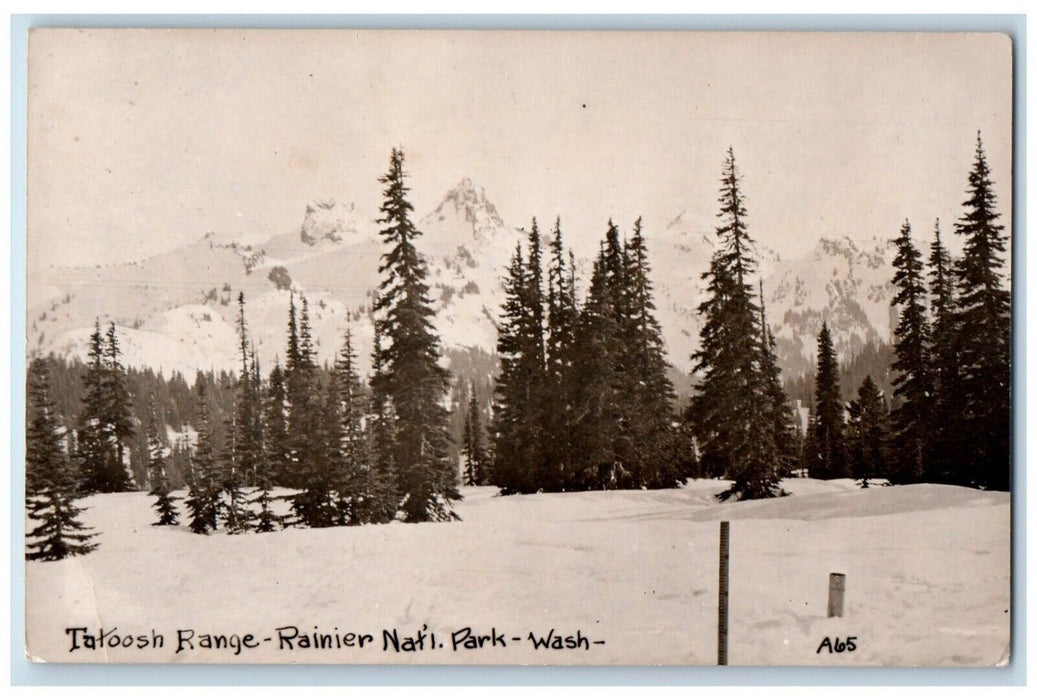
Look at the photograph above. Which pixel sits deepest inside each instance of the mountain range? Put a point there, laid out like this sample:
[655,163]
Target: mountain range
[177,311]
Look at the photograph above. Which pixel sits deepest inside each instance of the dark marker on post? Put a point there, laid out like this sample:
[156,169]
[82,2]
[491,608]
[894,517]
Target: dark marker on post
[725,540]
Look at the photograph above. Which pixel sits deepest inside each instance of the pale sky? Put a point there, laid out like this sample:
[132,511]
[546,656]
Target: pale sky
[143,140]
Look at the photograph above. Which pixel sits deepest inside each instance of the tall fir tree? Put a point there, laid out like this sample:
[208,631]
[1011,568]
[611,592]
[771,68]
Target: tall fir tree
[102,421]
[427,478]
[515,451]
[119,408]
[560,348]
[828,458]
[596,379]
[353,482]
[984,329]
[93,447]
[945,445]
[276,450]
[303,400]
[248,407]
[244,446]
[50,480]
[731,411]
[521,456]
[911,416]
[649,396]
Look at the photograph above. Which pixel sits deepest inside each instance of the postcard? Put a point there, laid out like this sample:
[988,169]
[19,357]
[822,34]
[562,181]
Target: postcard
[601,348]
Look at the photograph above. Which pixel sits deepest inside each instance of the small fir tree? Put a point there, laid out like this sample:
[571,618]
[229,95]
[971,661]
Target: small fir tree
[828,444]
[474,451]
[868,434]
[165,502]
[203,484]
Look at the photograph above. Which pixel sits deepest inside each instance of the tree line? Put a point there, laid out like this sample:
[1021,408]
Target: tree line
[949,420]
[350,454]
[582,399]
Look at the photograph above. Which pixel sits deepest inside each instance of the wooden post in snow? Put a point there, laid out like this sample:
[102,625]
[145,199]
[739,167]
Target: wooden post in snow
[725,542]
[836,592]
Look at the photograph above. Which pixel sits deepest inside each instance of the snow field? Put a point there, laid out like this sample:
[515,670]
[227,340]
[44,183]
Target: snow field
[927,570]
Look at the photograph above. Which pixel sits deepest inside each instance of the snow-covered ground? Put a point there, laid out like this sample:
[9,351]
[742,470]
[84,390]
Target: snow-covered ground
[927,569]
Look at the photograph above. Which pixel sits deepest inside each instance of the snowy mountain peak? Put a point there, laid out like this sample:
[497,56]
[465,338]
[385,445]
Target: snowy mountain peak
[467,202]
[327,219]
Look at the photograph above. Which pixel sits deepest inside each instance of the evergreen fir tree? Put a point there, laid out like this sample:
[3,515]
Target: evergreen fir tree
[353,481]
[596,421]
[244,448]
[119,408]
[649,393]
[303,400]
[261,500]
[983,329]
[520,456]
[203,485]
[50,482]
[913,388]
[276,450]
[827,460]
[165,502]
[868,434]
[426,476]
[474,451]
[382,493]
[945,434]
[313,505]
[559,380]
[93,448]
[248,409]
[808,455]
[99,452]
[784,433]
[237,517]
[731,413]
[513,457]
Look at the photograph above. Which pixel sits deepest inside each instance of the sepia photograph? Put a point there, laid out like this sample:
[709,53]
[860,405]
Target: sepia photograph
[487,347]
